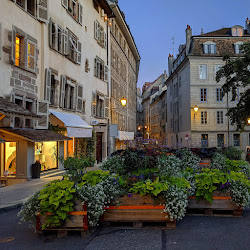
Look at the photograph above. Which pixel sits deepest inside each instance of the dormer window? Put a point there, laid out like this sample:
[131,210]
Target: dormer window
[238,48]
[237,30]
[209,48]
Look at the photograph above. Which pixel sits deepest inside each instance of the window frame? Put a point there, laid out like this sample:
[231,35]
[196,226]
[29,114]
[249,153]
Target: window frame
[219,97]
[204,117]
[203,94]
[209,48]
[201,77]
[236,142]
[220,117]
[30,56]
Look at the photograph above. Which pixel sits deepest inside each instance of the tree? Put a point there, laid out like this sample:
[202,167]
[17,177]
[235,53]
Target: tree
[236,72]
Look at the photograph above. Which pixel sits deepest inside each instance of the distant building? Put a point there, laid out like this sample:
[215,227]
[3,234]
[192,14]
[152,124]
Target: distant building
[191,84]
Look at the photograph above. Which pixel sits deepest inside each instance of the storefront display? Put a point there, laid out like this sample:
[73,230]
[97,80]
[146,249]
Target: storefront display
[10,158]
[46,153]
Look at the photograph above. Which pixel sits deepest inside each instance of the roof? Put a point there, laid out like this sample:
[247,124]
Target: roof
[34,135]
[106,7]
[10,108]
[224,32]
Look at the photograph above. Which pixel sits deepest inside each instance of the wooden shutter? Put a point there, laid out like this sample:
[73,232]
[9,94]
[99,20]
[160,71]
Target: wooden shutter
[79,103]
[106,74]
[105,40]
[95,67]
[96,30]
[43,11]
[102,37]
[94,104]
[65,4]
[47,85]
[50,33]
[43,111]
[62,94]
[106,112]
[79,52]
[80,13]
[13,45]
[65,42]
[205,48]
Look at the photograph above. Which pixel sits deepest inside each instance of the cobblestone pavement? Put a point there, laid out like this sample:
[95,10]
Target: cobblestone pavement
[191,233]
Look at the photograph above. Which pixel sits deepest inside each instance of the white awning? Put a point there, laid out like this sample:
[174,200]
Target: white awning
[75,125]
[125,136]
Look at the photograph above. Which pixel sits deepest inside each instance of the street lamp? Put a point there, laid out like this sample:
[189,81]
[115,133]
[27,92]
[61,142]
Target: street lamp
[123,102]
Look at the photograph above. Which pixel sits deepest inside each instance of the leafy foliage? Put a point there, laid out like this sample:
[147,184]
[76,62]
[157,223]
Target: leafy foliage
[237,74]
[232,153]
[207,182]
[94,177]
[219,162]
[56,198]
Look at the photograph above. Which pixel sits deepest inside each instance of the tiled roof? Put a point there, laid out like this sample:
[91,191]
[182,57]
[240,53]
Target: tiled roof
[35,135]
[224,32]
[8,108]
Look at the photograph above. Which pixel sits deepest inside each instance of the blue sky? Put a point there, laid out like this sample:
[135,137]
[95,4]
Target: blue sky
[155,23]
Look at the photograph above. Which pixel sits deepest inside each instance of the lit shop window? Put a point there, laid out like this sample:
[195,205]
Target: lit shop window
[10,158]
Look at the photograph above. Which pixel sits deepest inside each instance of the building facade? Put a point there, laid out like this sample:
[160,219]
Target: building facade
[196,114]
[125,61]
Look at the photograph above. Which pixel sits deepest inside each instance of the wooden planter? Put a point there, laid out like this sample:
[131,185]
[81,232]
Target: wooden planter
[221,206]
[77,220]
[137,209]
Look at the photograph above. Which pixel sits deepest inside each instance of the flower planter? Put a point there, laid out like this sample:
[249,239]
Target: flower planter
[76,221]
[221,206]
[137,209]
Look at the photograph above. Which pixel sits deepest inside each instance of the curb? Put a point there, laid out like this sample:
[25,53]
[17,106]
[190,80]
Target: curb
[10,208]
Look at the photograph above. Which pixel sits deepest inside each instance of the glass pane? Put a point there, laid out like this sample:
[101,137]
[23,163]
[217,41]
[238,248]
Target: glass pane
[10,158]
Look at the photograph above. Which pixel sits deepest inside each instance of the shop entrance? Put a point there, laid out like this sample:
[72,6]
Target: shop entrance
[99,147]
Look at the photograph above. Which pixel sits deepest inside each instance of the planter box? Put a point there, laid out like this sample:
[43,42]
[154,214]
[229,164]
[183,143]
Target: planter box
[76,220]
[137,209]
[221,205]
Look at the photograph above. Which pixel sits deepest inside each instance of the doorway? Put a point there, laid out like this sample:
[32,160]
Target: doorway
[99,147]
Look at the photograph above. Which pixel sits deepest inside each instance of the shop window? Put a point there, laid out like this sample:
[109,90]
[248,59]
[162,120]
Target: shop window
[236,140]
[46,153]
[220,140]
[10,158]
[204,140]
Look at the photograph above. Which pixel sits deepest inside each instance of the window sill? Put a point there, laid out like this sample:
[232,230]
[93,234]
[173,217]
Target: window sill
[30,71]
[56,51]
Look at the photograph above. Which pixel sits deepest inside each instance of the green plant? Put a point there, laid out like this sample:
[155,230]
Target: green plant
[113,164]
[207,182]
[30,208]
[219,162]
[232,153]
[149,187]
[242,166]
[189,160]
[94,177]
[56,198]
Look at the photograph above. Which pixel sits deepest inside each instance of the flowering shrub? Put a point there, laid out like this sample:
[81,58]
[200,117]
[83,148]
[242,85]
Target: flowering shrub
[219,162]
[240,193]
[189,160]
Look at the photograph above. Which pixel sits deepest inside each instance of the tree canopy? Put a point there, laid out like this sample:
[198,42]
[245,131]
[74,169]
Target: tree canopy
[236,73]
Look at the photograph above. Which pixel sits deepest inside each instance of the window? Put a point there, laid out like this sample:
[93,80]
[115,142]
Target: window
[18,120]
[216,69]
[75,48]
[237,95]
[237,30]
[203,71]
[204,140]
[220,140]
[203,117]
[53,90]
[203,95]
[28,106]
[100,35]
[69,95]
[27,5]
[74,8]
[35,8]
[101,70]
[209,48]
[236,138]
[19,56]
[100,106]
[238,48]
[219,97]
[219,117]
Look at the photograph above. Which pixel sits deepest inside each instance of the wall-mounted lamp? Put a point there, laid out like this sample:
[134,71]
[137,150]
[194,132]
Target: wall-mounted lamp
[123,102]
[195,111]
[146,127]
[248,121]
[139,128]
[105,17]
[109,23]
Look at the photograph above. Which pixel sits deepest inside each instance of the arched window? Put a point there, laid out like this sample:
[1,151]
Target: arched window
[209,48]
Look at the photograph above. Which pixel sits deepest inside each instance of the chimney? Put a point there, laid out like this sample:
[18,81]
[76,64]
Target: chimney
[188,39]
[248,26]
[170,64]
[165,76]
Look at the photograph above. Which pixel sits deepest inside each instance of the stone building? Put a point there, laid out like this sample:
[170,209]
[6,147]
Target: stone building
[125,61]
[153,99]
[196,114]
[54,66]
